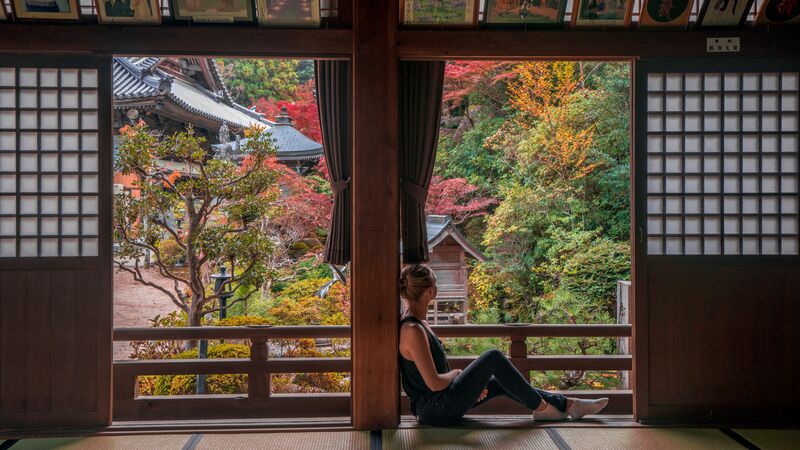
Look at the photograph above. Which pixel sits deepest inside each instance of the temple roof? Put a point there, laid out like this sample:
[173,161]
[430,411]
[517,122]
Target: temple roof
[439,227]
[291,144]
[145,80]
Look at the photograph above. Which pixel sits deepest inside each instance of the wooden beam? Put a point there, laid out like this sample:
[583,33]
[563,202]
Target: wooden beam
[269,332]
[597,45]
[192,407]
[537,330]
[175,40]
[620,402]
[376,237]
[228,365]
[558,362]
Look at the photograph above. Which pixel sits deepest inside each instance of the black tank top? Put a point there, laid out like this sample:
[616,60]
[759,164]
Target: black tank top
[413,384]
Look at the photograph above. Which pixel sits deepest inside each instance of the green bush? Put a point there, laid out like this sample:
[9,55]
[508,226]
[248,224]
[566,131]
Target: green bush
[215,384]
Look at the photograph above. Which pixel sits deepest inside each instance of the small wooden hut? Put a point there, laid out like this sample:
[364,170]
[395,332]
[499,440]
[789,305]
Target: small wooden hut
[448,251]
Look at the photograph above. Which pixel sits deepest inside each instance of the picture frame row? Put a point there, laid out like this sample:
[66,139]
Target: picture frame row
[272,13]
[653,14]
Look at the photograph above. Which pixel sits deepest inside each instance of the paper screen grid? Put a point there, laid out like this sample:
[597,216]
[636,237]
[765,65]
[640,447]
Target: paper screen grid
[722,163]
[48,162]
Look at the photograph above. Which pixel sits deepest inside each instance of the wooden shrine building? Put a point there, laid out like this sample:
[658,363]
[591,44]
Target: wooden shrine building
[448,251]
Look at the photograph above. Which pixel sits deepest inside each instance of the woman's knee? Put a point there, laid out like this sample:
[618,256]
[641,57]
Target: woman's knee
[494,353]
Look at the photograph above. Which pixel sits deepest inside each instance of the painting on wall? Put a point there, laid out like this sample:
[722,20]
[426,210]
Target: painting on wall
[439,12]
[665,14]
[779,12]
[724,13]
[602,13]
[288,13]
[128,11]
[213,11]
[537,12]
[47,9]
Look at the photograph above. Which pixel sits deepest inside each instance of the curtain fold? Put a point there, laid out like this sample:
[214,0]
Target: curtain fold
[334,100]
[419,110]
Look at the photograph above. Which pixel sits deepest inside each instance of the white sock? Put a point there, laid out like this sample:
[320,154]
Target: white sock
[549,413]
[583,407]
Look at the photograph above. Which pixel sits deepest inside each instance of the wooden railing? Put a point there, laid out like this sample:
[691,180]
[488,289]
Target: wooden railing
[260,402]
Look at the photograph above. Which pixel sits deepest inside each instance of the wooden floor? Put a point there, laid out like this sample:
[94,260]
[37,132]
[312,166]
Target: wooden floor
[606,432]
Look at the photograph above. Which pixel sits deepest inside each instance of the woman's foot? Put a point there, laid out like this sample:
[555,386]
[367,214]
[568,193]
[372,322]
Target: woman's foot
[546,411]
[582,407]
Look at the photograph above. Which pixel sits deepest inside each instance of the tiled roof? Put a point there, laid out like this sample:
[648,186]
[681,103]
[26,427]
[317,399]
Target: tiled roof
[291,144]
[140,78]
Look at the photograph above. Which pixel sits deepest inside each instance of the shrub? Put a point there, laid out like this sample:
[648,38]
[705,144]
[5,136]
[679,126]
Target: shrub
[215,384]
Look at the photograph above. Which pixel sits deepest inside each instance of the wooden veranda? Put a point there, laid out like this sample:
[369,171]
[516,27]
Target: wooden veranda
[714,335]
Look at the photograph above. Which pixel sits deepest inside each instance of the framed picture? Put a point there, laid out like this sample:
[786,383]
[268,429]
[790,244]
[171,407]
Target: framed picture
[779,12]
[288,13]
[458,13]
[724,13]
[213,11]
[128,11]
[47,9]
[602,13]
[544,13]
[665,13]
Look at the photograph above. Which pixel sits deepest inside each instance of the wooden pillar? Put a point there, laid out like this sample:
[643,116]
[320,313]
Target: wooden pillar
[258,383]
[376,237]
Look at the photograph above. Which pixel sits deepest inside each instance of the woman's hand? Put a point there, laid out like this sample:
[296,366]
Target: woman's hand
[483,395]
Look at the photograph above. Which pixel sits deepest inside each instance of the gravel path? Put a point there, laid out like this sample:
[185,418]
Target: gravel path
[135,304]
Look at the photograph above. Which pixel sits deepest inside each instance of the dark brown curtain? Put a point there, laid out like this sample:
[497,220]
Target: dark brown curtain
[420,105]
[334,99]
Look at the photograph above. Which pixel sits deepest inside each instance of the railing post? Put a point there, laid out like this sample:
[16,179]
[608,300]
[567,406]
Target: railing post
[258,382]
[519,350]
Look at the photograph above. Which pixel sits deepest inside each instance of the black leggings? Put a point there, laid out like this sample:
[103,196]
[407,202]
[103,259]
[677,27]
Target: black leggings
[491,371]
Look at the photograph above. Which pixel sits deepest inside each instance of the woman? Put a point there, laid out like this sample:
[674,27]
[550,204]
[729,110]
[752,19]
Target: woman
[440,396]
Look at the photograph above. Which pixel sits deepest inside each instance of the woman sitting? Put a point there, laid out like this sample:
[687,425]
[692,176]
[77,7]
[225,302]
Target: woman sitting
[440,396]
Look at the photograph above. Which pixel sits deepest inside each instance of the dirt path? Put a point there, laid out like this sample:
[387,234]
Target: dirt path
[135,304]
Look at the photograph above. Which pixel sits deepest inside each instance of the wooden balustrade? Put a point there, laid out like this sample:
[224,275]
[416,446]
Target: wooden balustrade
[260,402]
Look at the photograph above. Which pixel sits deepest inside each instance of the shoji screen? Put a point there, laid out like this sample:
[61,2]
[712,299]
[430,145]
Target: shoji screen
[722,163]
[55,241]
[717,248]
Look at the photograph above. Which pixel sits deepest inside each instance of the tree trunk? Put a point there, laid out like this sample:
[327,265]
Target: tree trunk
[195,318]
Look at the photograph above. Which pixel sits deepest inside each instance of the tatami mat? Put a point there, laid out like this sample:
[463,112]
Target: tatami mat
[344,440]
[772,439]
[647,438]
[461,438]
[150,442]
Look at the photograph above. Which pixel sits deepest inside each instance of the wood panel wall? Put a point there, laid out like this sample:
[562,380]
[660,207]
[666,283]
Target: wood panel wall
[723,342]
[51,364]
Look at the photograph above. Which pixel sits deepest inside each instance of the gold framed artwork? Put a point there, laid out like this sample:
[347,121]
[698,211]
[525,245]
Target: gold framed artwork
[213,11]
[46,9]
[665,13]
[288,13]
[540,13]
[723,13]
[450,13]
[779,12]
[128,11]
[602,13]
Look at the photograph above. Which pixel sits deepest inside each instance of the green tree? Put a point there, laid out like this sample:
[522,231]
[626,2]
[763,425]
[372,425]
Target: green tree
[252,79]
[212,214]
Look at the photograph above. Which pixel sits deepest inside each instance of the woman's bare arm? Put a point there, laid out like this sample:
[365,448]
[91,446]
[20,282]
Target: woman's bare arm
[414,343]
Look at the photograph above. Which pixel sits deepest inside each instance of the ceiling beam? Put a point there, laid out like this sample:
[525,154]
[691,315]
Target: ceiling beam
[176,40]
[590,45]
